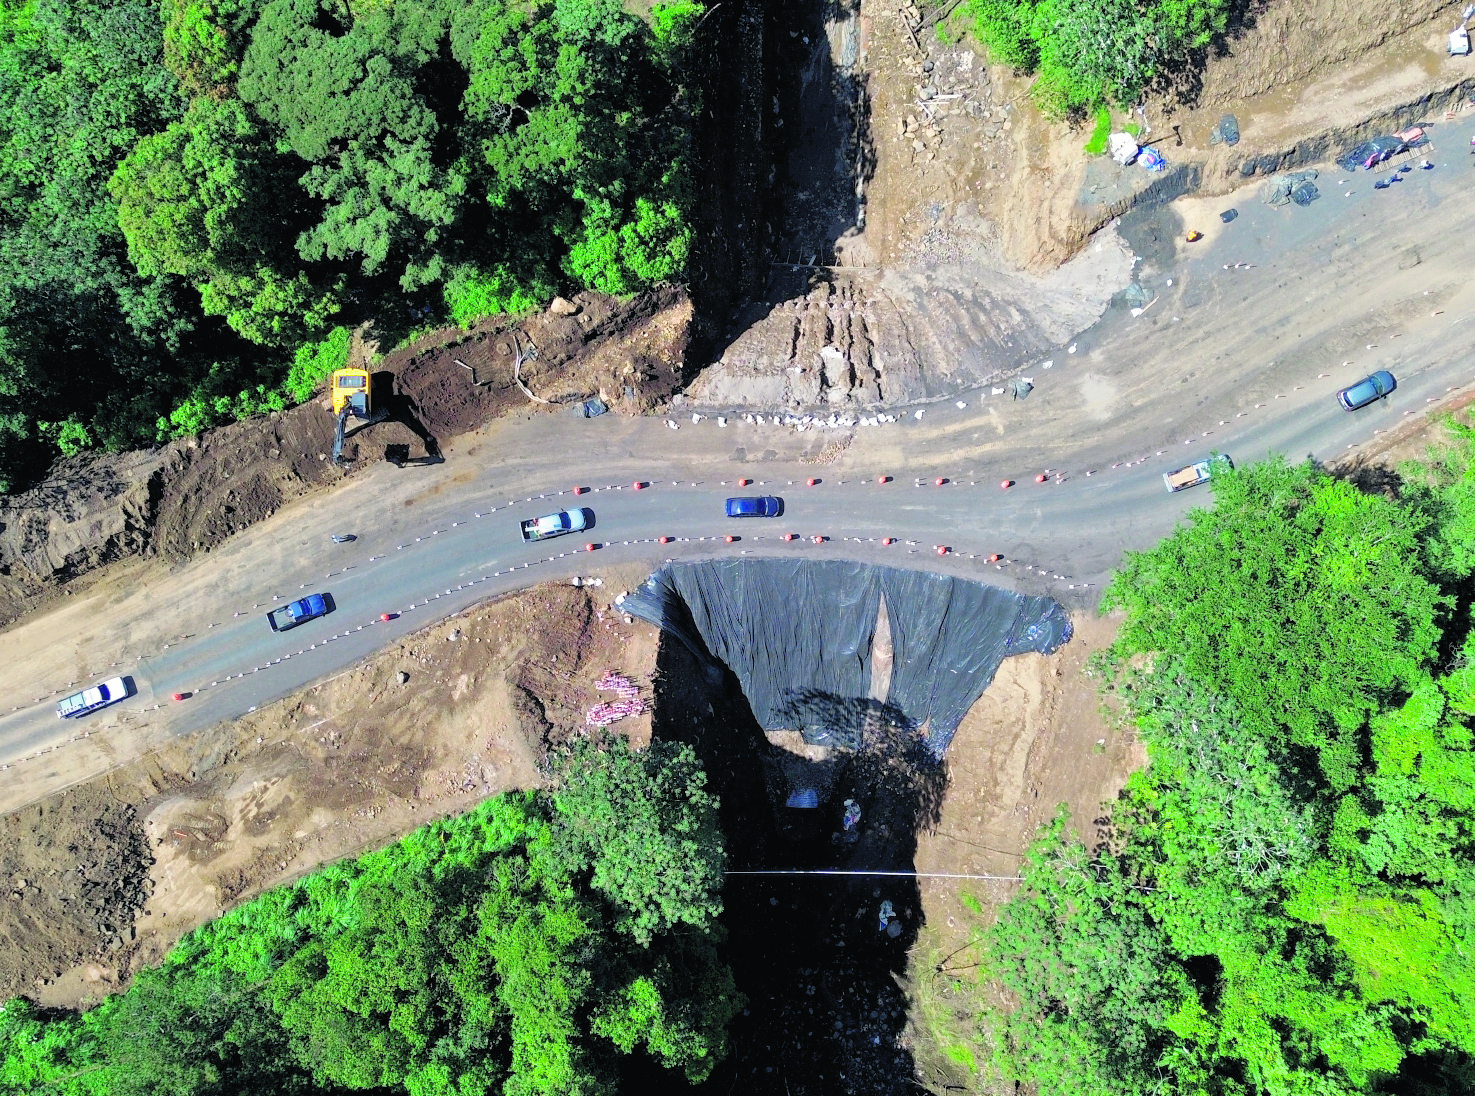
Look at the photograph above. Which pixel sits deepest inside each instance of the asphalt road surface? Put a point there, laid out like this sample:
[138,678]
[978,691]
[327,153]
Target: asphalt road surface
[1242,353]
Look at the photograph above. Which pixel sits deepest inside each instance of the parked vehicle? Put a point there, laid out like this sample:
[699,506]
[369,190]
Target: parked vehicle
[1197,473]
[298,612]
[1375,387]
[101,695]
[555,525]
[761,506]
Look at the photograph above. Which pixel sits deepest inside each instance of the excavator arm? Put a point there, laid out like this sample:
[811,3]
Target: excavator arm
[338,433]
[340,430]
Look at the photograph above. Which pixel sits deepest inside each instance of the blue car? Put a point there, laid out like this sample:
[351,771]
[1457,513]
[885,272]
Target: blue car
[1367,390]
[763,506]
[299,612]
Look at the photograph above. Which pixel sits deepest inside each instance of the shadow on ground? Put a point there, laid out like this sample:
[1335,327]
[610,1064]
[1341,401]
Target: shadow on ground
[818,968]
[1369,475]
[398,407]
[811,152]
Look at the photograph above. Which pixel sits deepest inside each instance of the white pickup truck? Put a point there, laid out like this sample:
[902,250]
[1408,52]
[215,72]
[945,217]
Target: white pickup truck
[555,525]
[1196,474]
[108,692]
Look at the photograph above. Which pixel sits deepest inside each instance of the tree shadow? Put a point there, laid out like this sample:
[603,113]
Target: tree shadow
[819,970]
[1368,474]
[1434,1073]
[1181,80]
[803,164]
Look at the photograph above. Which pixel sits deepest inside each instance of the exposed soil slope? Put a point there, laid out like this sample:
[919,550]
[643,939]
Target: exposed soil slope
[103,878]
[920,200]
[188,496]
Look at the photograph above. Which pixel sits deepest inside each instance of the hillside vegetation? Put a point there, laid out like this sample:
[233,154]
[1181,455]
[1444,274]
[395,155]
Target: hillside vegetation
[1287,903]
[1086,53]
[526,947]
[194,196]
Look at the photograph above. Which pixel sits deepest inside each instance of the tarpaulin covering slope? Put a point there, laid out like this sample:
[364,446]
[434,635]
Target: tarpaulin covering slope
[799,635]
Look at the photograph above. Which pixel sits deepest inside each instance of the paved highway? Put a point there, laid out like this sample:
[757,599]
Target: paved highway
[1242,353]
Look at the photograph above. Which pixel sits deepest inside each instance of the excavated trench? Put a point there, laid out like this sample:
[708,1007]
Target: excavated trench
[837,685]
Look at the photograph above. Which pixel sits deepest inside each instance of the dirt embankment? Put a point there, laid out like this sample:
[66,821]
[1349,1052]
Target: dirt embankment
[190,495]
[1305,81]
[889,284]
[927,223]
[102,879]
[1036,739]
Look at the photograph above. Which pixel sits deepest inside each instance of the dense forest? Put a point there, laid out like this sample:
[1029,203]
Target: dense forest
[533,945]
[197,196]
[1286,903]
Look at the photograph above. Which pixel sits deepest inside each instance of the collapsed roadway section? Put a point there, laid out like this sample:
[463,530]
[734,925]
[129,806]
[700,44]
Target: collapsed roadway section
[803,639]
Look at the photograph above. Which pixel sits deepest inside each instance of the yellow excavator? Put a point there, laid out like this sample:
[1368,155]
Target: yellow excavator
[352,396]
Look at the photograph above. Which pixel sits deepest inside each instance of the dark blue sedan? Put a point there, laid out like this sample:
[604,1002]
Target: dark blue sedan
[763,506]
[1367,390]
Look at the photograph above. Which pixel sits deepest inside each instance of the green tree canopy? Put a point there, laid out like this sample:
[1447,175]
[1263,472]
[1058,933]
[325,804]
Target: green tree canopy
[204,200]
[476,956]
[1296,596]
[193,193]
[1090,52]
[344,93]
[1284,905]
[81,330]
[645,828]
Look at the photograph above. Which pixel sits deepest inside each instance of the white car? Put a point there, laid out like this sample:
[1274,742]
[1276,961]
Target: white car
[101,695]
[1198,473]
[556,525]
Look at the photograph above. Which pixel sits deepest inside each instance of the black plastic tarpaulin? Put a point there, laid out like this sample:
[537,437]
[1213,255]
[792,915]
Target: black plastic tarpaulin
[1370,154]
[799,637]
